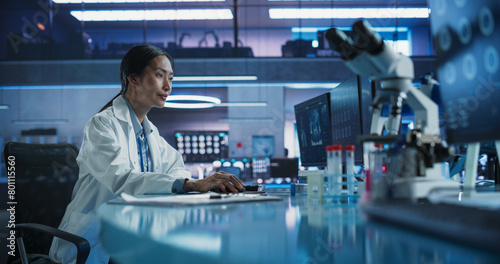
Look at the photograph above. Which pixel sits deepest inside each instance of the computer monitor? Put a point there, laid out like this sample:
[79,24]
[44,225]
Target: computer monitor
[314,130]
[350,111]
[260,168]
[202,146]
[467,36]
[262,146]
[284,168]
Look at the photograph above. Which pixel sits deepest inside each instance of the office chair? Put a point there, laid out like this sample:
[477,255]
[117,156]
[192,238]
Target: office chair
[45,175]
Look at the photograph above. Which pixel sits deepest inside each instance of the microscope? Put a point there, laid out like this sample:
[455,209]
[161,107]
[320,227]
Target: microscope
[417,162]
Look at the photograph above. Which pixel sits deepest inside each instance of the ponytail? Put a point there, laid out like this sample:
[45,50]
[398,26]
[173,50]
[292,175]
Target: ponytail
[110,103]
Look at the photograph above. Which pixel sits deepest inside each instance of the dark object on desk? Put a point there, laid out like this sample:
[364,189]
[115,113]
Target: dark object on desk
[45,175]
[218,190]
[470,226]
[252,188]
[246,188]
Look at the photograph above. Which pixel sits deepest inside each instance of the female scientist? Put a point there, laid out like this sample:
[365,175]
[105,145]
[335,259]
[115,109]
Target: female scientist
[122,151]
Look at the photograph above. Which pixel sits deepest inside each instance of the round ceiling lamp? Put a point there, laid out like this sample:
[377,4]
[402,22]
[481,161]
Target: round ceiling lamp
[191,101]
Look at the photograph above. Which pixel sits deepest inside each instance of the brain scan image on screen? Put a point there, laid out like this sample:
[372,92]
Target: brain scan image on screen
[315,128]
[302,133]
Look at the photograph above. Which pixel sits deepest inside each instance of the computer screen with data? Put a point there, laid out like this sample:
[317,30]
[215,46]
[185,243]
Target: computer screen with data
[314,130]
[350,112]
[467,42]
[202,146]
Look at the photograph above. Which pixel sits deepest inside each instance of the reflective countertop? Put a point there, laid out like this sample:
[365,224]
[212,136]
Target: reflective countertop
[293,230]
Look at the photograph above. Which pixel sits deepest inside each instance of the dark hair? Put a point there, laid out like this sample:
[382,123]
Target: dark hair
[134,62]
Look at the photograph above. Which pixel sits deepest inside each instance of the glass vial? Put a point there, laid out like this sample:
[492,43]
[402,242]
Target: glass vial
[349,165]
[334,169]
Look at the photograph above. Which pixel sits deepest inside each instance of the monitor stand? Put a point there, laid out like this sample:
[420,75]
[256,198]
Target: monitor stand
[471,158]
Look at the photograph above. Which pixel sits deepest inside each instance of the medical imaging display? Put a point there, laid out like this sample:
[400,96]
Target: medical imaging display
[314,129]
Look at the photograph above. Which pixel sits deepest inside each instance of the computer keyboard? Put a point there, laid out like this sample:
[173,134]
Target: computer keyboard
[479,228]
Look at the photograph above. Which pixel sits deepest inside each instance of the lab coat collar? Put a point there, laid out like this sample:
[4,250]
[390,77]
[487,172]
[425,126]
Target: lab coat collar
[124,112]
[120,109]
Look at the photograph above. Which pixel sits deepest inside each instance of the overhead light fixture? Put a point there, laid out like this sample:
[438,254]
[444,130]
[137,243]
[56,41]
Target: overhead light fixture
[311,85]
[150,15]
[347,13]
[201,101]
[213,78]
[191,101]
[4,106]
[40,121]
[126,1]
[63,86]
[316,29]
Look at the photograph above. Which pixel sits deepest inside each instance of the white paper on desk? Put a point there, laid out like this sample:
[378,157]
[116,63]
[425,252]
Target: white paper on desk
[195,199]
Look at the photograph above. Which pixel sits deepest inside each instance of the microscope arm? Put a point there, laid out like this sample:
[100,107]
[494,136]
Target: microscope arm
[426,111]
[378,123]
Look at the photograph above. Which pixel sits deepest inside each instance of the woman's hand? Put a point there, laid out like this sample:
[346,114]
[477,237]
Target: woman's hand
[224,181]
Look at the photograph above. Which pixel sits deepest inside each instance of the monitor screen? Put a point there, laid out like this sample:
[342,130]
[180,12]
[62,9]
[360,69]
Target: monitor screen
[468,58]
[260,168]
[284,167]
[202,146]
[262,146]
[350,112]
[314,130]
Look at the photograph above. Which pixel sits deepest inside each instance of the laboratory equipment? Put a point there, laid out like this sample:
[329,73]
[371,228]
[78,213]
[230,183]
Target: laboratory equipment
[369,56]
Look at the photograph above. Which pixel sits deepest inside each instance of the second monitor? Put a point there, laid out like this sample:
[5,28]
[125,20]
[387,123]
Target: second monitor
[336,117]
[350,112]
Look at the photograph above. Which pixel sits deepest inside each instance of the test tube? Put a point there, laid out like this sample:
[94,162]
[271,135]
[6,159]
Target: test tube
[349,165]
[334,169]
[377,172]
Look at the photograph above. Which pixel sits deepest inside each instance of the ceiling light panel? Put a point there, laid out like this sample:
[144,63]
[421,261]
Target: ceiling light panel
[150,15]
[214,78]
[127,1]
[347,13]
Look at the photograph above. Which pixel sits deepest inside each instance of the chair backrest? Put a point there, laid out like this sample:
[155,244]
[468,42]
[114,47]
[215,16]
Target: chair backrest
[45,175]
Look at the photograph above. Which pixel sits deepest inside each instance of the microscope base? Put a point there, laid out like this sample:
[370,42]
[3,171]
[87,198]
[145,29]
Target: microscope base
[421,187]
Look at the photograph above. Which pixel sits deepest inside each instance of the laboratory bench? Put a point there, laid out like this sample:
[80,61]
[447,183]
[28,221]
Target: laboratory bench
[293,229]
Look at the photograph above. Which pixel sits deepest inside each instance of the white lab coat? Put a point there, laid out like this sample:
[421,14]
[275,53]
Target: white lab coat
[109,164]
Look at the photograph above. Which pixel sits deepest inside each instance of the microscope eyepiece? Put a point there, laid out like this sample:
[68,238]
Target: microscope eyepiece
[366,38]
[341,43]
